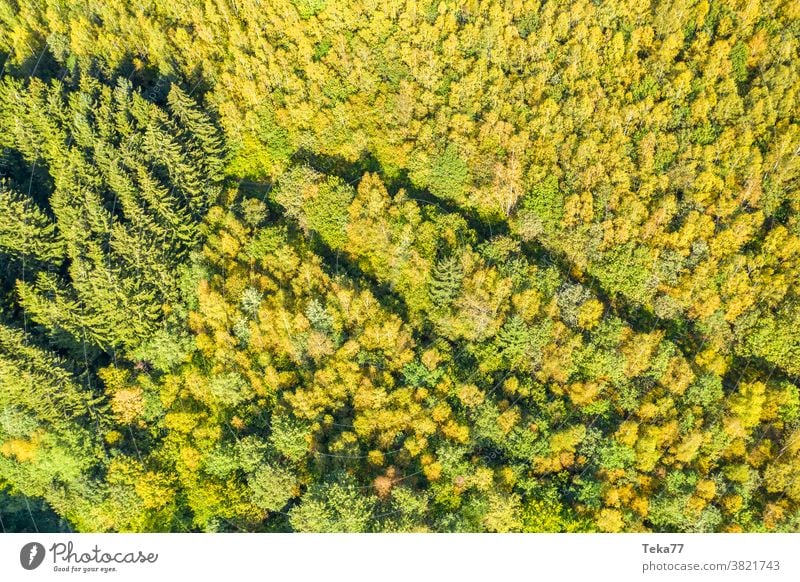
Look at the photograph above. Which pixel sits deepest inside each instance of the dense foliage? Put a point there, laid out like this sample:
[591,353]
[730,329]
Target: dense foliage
[304,265]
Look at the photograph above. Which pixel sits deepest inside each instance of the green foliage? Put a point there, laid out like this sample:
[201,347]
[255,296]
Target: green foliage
[26,233]
[131,185]
[290,437]
[327,214]
[319,202]
[309,8]
[332,508]
[625,271]
[738,56]
[446,280]
[321,49]
[448,174]
[164,350]
[544,202]
[479,267]
[265,150]
[548,515]
[272,487]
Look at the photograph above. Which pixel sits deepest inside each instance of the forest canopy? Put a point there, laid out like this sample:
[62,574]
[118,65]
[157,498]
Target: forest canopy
[316,266]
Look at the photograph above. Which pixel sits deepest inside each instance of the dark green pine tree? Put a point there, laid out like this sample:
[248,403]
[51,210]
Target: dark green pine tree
[445,286]
[27,233]
[132,182]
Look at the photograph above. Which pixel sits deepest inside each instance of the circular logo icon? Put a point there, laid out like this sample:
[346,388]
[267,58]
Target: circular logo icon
[31,555]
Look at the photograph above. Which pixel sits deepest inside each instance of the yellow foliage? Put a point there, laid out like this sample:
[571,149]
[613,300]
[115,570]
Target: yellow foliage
[127,404]
[590,314]
[508,419]
[627,433]
[688,448]
[432,471]
[610,520]
[706,489]
[584,393]
[22,450]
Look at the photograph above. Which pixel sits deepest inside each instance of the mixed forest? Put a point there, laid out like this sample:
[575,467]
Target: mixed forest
[400,265]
